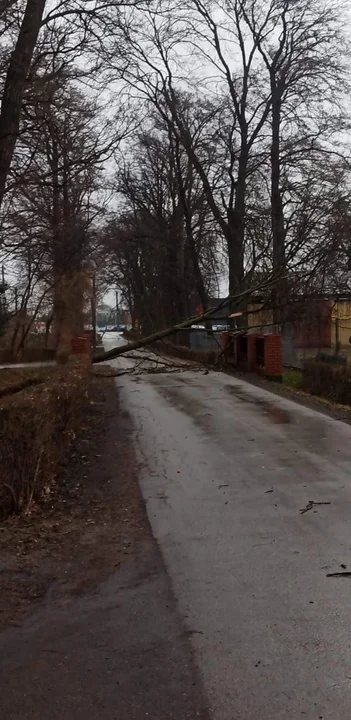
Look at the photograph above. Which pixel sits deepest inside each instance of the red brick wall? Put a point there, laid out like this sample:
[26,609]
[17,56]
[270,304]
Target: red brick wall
[314,331]
[80,345]
[273,364]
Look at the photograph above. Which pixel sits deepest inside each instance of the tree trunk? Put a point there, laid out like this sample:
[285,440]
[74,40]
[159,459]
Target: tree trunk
[56,249]
[199,282]
[93,310]
[236,231]
[15,85]
[278,226]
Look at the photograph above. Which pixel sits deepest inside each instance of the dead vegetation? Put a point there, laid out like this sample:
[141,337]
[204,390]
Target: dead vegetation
[13,380]
[329,381]
[89,524]
[37,427]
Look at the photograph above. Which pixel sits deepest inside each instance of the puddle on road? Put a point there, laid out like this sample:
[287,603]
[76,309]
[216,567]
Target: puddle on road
[276,414]
[302,432]
[197,410]
[311,433]
[273,412]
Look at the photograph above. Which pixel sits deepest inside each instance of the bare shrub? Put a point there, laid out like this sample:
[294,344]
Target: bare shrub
[332,382]
[37,427]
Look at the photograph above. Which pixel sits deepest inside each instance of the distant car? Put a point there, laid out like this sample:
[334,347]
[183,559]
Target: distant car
[112,329]
[220,328]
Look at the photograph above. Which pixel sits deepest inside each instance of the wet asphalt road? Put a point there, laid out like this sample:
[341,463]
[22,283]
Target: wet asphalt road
[226,468]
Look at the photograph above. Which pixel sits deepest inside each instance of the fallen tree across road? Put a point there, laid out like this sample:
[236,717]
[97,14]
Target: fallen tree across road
[235,301]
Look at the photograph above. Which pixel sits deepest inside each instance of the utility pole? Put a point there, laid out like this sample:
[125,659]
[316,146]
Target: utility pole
[117,309]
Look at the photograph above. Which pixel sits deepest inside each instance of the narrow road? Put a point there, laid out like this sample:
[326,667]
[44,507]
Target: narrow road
[226,468]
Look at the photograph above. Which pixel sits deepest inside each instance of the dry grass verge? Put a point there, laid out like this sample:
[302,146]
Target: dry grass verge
[329,381]
[91,523]
[14,379]
[37,427]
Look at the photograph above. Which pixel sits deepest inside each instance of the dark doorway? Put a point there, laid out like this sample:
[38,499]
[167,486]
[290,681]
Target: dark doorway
[260,351]
[242,349]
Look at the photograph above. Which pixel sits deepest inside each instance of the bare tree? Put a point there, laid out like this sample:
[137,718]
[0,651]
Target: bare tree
[301,47]
[164,241]
[241,104]
[54,205]
[272,105]
[85,23]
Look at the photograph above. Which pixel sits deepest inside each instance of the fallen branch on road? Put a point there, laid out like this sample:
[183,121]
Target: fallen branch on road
[234,299]
[117,373]
[146,358]
[167,368]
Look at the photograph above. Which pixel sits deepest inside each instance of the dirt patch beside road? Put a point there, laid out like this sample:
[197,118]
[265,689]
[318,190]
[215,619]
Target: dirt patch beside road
[92,522]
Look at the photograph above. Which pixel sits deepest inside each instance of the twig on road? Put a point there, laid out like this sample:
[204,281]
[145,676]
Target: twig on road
[339,574]
[311,504]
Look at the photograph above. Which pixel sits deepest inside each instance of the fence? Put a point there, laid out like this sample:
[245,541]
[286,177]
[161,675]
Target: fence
[295,352]
[336,349]
[197,339]
[203,340]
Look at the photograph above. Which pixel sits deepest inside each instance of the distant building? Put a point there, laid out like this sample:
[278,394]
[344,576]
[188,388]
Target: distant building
[108,317]
[105,315]
[320,322]
[219,317]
